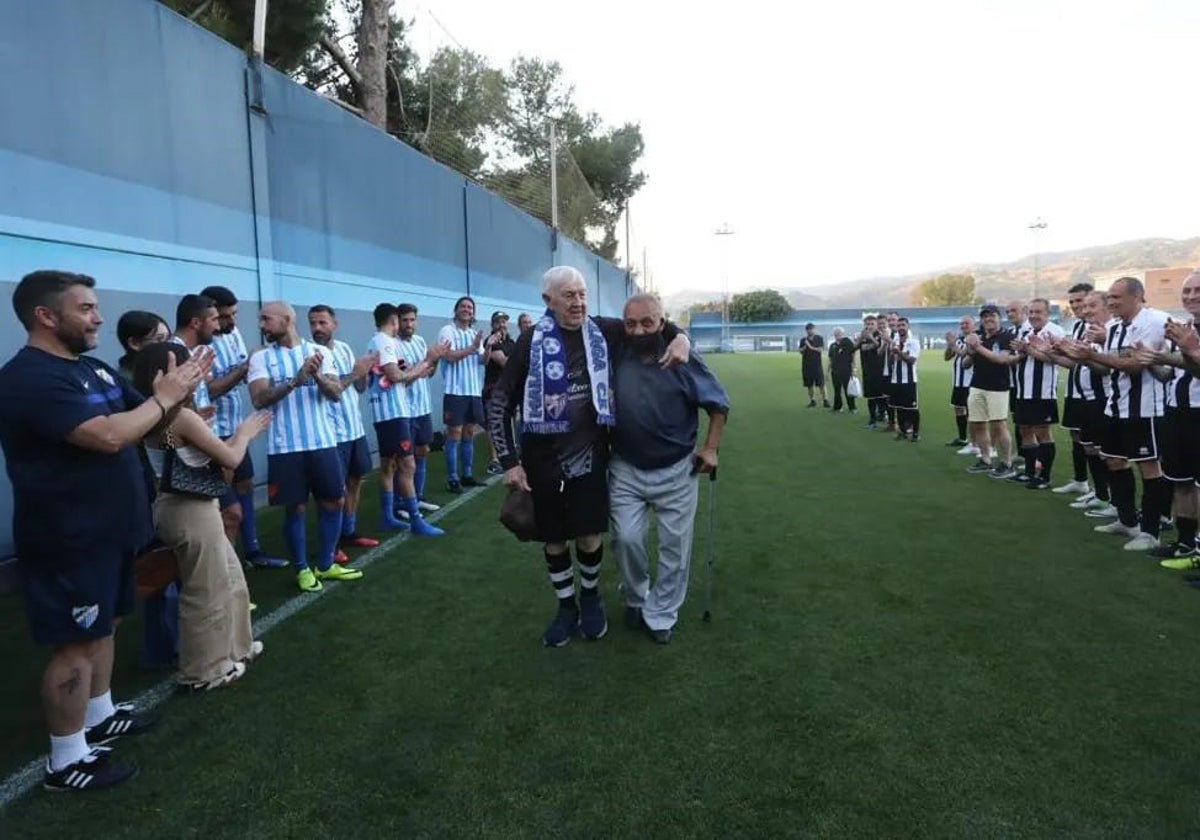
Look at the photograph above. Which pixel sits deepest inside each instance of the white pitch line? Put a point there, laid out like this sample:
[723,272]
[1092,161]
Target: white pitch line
[30,776]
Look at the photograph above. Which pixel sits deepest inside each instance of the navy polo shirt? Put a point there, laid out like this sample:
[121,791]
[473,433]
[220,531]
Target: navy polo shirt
[657,409]
[68,502]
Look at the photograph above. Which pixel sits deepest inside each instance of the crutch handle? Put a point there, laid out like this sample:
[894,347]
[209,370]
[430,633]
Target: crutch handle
[712,476]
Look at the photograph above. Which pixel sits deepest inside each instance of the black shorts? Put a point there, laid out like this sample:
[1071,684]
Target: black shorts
[904,395]
[355,456]
[1074,414]
[1179,443]
[421,429]
[873,385]
[395,438]
[294,476]
[958,396]
[1035,412]
[459,410]
[1133,440]
[1095,423]
[566,509]
[77,601]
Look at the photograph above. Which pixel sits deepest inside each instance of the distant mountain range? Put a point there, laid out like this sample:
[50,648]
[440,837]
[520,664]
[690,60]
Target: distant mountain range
[1056,271]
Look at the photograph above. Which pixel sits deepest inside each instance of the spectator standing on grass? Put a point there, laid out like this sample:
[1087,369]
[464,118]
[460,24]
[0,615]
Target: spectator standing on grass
[841,368]
[215,642]
[960,382]
[346,416]
[560,376]
[296,379]
[462,356]
[499,347]
[414,351]
[872,351]
[231,361]
[990,357]
[655,464]
[812,369]
[69,425]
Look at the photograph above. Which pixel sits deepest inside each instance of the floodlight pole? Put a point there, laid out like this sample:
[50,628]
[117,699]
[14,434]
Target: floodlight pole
[553,178]
[258,44]
[725,231]
[1036,225]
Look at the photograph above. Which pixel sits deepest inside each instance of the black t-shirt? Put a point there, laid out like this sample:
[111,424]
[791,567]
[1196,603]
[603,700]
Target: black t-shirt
[988,375]
[68,502]
[812,357]
[492,371]
[841,355]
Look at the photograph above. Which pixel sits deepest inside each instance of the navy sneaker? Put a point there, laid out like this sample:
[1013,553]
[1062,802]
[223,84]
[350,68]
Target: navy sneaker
[95,771]
[123,721]
[592,620]
[469,481]
[261,561]
[633,618]
[563,627]
[1036,483]
[453,487]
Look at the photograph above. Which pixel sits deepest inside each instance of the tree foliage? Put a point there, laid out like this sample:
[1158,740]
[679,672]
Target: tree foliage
[946,290]
[762,305]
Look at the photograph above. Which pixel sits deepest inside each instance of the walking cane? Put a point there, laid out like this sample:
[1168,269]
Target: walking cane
[708,584]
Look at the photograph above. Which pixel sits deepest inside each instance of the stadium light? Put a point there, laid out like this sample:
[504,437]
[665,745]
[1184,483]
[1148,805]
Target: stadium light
[1036,225]
[725,231]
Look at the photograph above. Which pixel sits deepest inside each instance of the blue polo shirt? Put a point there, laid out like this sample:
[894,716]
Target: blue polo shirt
[658,409]
[68,502]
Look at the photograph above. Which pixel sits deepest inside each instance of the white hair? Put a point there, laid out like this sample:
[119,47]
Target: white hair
[559,275]
[838,331]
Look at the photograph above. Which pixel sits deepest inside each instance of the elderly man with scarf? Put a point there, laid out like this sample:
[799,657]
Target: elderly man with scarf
[560,378]
[655,463]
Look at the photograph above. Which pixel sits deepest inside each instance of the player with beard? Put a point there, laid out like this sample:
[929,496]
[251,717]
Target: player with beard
[460,348]
[906,353]
[413,351]
[196,323]
[871,345]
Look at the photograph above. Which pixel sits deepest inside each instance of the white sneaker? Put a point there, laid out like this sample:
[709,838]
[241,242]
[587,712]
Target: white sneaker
[1073,487]
[1105,511]
[969,449]
[428,507]
[1118,529]
[1142,542]
[1083,501]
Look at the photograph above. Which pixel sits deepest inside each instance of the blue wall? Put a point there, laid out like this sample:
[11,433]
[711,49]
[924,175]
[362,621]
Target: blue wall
[140,149]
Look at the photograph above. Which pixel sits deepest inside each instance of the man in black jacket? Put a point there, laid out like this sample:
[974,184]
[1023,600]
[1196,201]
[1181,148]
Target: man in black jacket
[841,369]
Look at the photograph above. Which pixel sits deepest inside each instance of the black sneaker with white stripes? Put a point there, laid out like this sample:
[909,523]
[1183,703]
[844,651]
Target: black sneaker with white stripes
[96,771]
[124,721]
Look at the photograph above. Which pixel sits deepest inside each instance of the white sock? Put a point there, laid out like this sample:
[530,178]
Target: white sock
[65,750]
[99,709]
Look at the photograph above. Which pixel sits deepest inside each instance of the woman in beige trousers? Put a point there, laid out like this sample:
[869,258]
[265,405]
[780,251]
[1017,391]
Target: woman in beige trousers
[215,641]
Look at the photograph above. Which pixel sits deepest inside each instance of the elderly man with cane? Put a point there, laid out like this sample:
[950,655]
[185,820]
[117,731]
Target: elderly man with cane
[655,462]
[560,376]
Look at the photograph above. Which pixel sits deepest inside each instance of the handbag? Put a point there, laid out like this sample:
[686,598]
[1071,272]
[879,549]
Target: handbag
[206,482]
[154,570]
[854,389]
[516,514]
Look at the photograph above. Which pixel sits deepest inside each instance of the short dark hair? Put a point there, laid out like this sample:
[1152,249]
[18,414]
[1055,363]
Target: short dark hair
[1081,287]
[1133,284]
[152,359]
[220,296]
[192,306]
[44,288]
[406,309]
[321,307]
[383,313]
[901,318]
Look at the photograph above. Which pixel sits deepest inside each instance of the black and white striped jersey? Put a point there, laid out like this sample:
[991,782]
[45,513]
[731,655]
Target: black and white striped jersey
[1184,390]
[960,377]
[1075,373]
[1082,381]
[889,361]
[1033,378]
[905,373]
[1137,395]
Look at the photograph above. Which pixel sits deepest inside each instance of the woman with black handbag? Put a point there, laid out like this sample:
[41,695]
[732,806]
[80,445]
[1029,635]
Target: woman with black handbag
[193,466]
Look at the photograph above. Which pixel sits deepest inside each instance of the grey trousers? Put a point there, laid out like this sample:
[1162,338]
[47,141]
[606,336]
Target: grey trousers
[672,493]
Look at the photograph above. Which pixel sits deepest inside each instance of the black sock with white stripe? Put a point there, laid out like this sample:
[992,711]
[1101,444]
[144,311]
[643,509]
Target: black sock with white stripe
[1185,531]
[589,571]
[960,420]
[1155,491]
[1046,453]
[562,577]
[1100,475]
[1029,451]
[915,419]
[1079,461]
[1123,489]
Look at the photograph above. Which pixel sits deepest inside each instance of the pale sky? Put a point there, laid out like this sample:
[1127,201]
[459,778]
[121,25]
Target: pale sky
[857,139]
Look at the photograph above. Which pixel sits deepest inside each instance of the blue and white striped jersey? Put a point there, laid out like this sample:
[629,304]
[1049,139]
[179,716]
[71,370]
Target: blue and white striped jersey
[301,419]
[389,400]
[413,351]
[346,413]
[200,395]
[465,377]
[230,352]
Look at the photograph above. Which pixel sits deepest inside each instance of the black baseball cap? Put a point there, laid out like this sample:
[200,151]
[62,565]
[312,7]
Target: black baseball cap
[498,316]
[989,309]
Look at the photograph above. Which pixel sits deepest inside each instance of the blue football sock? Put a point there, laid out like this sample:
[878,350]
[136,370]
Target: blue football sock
[387,508]
[466,457]
[451,460]
[249,529]
[419,477]
[329,527]
[349,521]
[294,536]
